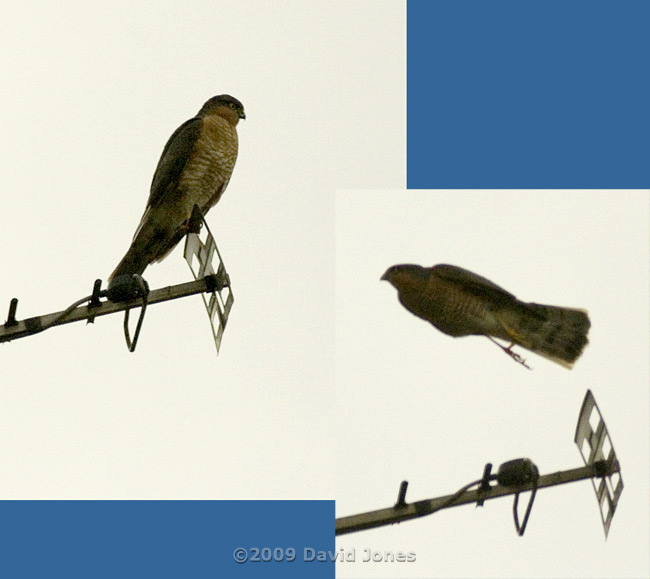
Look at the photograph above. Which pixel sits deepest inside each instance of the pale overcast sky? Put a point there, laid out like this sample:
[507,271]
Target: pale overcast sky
[325,387]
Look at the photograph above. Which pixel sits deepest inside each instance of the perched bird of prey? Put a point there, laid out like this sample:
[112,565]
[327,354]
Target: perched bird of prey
[194,168]
[461,303]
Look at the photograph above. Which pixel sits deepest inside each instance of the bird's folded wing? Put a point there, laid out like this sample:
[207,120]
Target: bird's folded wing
[473,283]
[174,157]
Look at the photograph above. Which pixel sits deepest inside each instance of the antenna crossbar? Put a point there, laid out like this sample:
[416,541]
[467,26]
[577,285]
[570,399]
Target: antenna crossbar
[27,327]
[406,511]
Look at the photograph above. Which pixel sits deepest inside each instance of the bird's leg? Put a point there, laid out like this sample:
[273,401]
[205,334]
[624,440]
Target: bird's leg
[195,221]
[516,357]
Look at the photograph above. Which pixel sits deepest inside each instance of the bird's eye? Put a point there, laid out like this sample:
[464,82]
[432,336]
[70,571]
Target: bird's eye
[233,106]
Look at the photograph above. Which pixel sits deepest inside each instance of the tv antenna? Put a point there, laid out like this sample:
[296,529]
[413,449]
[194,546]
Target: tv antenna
[133,292]
[517,476]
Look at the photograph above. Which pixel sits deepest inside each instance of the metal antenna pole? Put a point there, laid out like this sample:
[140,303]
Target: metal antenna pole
[15,329]
[133,292]
[408,511]
[595,446]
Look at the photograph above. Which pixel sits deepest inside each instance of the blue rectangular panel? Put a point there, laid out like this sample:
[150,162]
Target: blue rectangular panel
[534,94]
[108,539]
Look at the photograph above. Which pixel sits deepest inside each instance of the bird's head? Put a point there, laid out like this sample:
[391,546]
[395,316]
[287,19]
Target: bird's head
[405,274]
[224,105]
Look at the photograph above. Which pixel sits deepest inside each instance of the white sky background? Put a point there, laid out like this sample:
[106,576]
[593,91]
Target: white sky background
[417,405]
[90,95]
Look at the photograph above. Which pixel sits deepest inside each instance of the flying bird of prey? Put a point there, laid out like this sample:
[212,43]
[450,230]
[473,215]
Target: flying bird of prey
[461,303]
[194,169]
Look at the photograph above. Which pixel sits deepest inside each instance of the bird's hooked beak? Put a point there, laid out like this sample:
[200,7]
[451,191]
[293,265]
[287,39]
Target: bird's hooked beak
[385,276]
[242,115]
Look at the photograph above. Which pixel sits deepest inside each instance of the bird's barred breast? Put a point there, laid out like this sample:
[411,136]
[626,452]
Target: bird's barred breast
[461,314]
[211,163]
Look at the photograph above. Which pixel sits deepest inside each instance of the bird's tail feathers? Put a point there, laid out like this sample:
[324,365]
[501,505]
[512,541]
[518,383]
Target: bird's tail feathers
[557,333]
[149,245]
[134,262]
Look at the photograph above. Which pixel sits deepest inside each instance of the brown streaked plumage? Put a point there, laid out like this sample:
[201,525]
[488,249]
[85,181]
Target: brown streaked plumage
[194,168]
[461,303]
